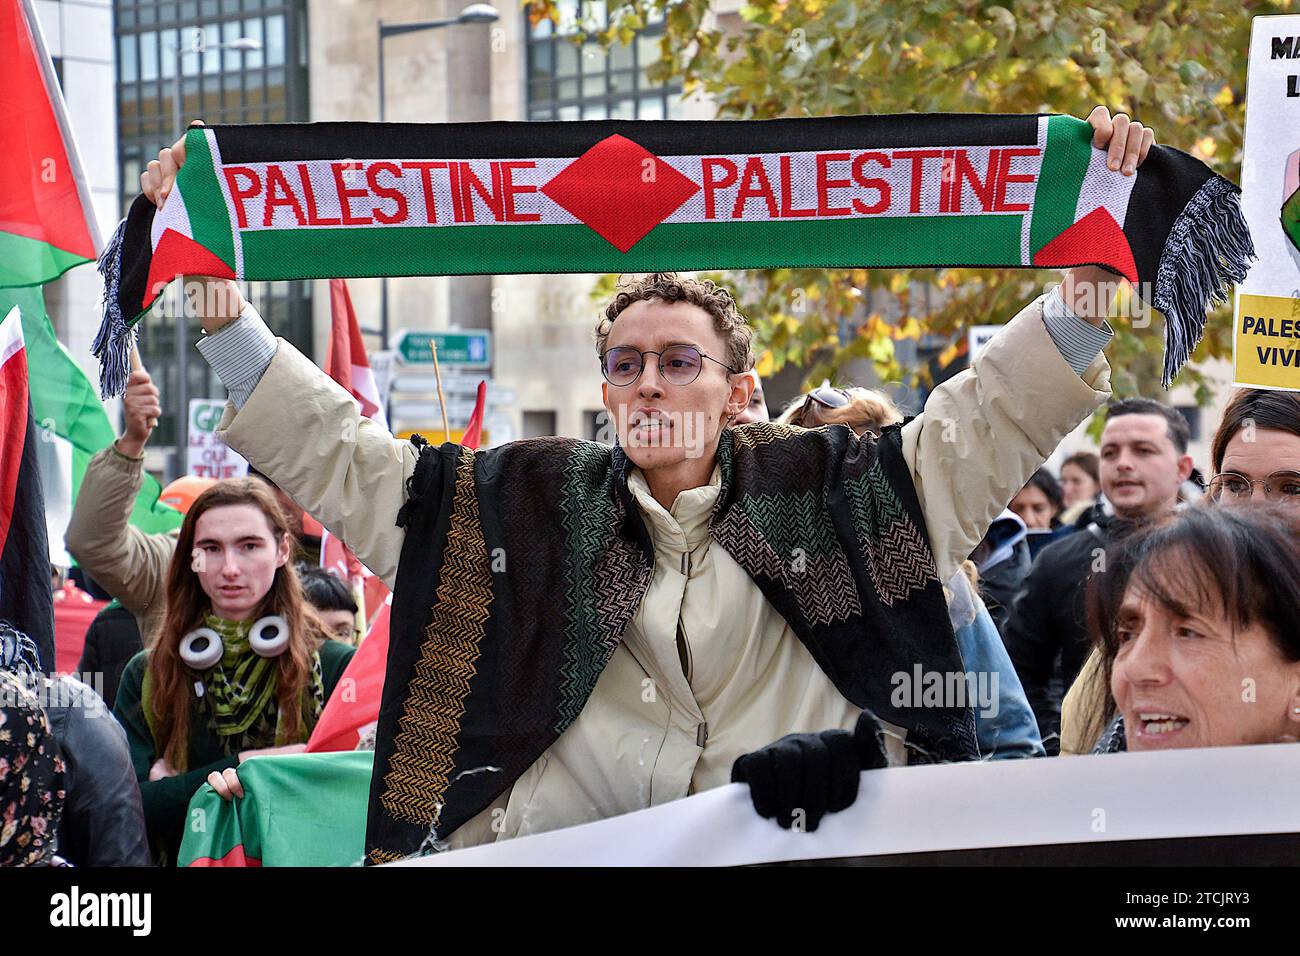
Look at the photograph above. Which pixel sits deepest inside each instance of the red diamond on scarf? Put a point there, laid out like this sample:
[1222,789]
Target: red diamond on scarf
[648,190]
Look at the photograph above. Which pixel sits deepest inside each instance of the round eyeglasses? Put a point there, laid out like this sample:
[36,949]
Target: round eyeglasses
[1279,486]
[678,364]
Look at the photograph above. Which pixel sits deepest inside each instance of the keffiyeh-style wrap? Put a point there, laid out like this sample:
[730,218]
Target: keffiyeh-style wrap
[355,199]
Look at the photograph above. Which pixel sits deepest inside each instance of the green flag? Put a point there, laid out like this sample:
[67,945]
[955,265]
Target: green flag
[317,802]
[67,408]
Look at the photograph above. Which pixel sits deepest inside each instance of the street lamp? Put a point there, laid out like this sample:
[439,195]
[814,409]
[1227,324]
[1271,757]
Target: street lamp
[198,44]
[474,13]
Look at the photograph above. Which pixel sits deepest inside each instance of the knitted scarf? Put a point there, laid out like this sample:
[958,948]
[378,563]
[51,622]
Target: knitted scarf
[354,199]
[240,691]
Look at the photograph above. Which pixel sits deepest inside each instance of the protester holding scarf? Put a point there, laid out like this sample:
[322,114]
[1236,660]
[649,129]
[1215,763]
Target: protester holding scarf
[241,664]
[568,645]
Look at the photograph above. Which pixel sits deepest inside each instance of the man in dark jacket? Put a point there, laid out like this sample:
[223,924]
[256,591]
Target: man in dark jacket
[1144,460]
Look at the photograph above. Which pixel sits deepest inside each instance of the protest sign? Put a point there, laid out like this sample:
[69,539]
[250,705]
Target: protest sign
[209,456]
[1266,342]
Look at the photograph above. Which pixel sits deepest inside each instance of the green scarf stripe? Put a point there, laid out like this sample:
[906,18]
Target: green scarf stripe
[205,202]
[789,522]
[874,503]
[353,253]
[587,520]
[1065,161]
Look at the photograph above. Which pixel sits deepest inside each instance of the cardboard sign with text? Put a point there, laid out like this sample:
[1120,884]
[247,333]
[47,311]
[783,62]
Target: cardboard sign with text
[209,456]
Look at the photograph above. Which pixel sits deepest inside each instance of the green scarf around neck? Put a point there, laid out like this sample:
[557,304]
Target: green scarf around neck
[239,694]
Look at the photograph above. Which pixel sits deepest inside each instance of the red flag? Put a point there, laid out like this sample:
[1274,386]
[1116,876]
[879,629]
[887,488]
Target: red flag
[353,708]
[345,355]
[25,600]
[47,225]
[474,430]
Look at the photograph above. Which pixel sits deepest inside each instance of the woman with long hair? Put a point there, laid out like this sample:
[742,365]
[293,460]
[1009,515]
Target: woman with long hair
[241,664]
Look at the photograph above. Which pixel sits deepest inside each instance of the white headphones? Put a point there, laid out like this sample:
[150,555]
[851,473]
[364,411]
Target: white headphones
[203,647]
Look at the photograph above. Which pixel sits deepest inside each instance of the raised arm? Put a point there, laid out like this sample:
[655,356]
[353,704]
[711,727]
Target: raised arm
[126,562]
[986,430]
[291,421]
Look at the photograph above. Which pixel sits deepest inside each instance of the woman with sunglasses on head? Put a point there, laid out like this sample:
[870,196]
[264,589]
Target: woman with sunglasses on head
[241,665]
[583,630]
[1005,728]
[1256,459]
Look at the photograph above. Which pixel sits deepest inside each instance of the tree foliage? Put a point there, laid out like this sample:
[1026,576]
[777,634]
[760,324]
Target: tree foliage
[1179,68]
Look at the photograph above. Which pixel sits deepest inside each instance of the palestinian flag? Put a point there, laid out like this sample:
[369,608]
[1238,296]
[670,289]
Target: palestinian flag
[317,803]
[353,199]
[350,714]
[47,225]
[345,354]
[25,594]
[73,427]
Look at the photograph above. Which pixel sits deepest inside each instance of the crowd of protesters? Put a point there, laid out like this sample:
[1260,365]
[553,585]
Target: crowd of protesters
[1147,603]
[1119,603]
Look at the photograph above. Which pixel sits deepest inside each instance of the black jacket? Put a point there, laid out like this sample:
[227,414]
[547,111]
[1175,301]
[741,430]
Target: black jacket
[1050,619]
[103,820]
[112,640]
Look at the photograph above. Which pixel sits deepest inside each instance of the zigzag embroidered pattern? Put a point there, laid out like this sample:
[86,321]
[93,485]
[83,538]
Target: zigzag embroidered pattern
[425,747]
[823,588]
[898,559]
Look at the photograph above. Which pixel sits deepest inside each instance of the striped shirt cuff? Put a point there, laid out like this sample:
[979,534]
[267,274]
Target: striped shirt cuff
[240,353]
[1079,342]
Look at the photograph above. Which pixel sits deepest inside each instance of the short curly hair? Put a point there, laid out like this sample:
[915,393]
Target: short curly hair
[670,287]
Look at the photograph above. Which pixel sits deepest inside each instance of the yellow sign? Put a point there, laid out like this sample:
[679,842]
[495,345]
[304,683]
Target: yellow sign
[435,435]
[1266,352]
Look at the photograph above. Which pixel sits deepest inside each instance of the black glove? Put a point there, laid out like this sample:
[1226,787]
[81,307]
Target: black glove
[812,773]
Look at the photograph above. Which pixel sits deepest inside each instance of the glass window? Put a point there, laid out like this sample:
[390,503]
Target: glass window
[148,56]
[230,33]
[617,74]
[566,58]
[622,82]
[167,45]
[126,60]
[275,40]
[211,52]
[593,58]
[253,30]
[647,50]
[541,59]
[651,108]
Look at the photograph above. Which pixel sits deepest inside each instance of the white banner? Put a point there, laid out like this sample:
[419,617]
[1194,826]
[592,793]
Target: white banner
[1000,803]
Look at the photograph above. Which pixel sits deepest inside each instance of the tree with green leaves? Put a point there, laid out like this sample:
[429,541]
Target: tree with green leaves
[1178,68]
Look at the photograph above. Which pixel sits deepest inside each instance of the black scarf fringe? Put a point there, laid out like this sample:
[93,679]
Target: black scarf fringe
[1208,249]
[115,339]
